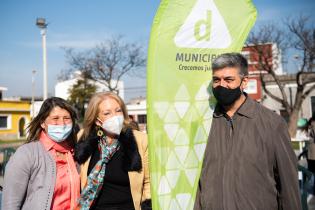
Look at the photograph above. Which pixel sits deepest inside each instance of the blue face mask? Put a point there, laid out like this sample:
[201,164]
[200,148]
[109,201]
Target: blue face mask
[59,133]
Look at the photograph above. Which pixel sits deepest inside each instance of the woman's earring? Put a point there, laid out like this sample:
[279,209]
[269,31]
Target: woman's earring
[100,133]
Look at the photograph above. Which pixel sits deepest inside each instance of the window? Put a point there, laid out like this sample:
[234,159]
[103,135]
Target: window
[251,86]
[246,54]
[142,119]
[4,122]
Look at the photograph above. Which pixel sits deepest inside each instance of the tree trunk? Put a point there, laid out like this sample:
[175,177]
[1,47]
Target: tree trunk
[293,122]
[294,115]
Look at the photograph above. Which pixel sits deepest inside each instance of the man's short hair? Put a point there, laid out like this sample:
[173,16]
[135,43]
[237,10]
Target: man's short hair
[231,60]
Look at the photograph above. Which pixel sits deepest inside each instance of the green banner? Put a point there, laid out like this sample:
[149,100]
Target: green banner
[186,36]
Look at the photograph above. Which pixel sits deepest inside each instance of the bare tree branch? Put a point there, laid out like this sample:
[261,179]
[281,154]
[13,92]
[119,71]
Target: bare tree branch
[303,31]
[308,91]
[274,97]
[299,35]
[109,61]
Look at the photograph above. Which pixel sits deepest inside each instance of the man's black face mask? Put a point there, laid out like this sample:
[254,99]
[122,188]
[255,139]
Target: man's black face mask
[226,96]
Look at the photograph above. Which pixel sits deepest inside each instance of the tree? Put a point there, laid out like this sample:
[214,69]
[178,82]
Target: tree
[298,35]
[108,62]
[80,94]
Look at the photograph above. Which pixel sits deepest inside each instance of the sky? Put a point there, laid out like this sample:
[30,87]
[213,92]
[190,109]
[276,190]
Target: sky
[81,25]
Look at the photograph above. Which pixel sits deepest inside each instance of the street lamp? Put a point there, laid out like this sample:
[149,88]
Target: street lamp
[41,23]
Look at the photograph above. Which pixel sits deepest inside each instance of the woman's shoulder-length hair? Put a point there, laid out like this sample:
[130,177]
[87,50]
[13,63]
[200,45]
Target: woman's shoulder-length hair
[92,111]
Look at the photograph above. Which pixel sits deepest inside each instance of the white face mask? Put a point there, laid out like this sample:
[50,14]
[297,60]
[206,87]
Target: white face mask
[114,124]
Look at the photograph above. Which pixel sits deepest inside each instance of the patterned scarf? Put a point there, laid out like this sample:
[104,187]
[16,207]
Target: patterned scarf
[96,176]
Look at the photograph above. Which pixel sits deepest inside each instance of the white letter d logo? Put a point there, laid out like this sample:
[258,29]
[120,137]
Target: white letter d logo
[203,28]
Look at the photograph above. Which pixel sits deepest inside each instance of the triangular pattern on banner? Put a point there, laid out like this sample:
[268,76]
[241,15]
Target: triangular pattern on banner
[172,177]
[171,116]
[208,114]
[182,94]
[204,28]
[200,136]
[181,108]
[181,138]
[164,201]
[171,130]
[202,94]
[183,200]
[207,124]
[192,114]
[202,107]
[191,175]
[181,152]
[174,205]
[191,160]
[164,187]
[160,154]
[199,150]
[161,108]
[173,162]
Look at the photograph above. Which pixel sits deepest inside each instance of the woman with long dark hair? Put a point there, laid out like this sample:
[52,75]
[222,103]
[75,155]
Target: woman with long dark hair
[42,173]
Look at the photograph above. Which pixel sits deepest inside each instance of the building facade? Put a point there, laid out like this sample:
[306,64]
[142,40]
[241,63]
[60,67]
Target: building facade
[137,111]
[273,57]
[290,88]
[62,88]
[14,117]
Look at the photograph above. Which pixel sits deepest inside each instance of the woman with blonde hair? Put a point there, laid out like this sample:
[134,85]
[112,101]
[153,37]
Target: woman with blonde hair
[113,158]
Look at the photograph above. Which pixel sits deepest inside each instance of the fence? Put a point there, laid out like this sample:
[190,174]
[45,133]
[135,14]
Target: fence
[6,152]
